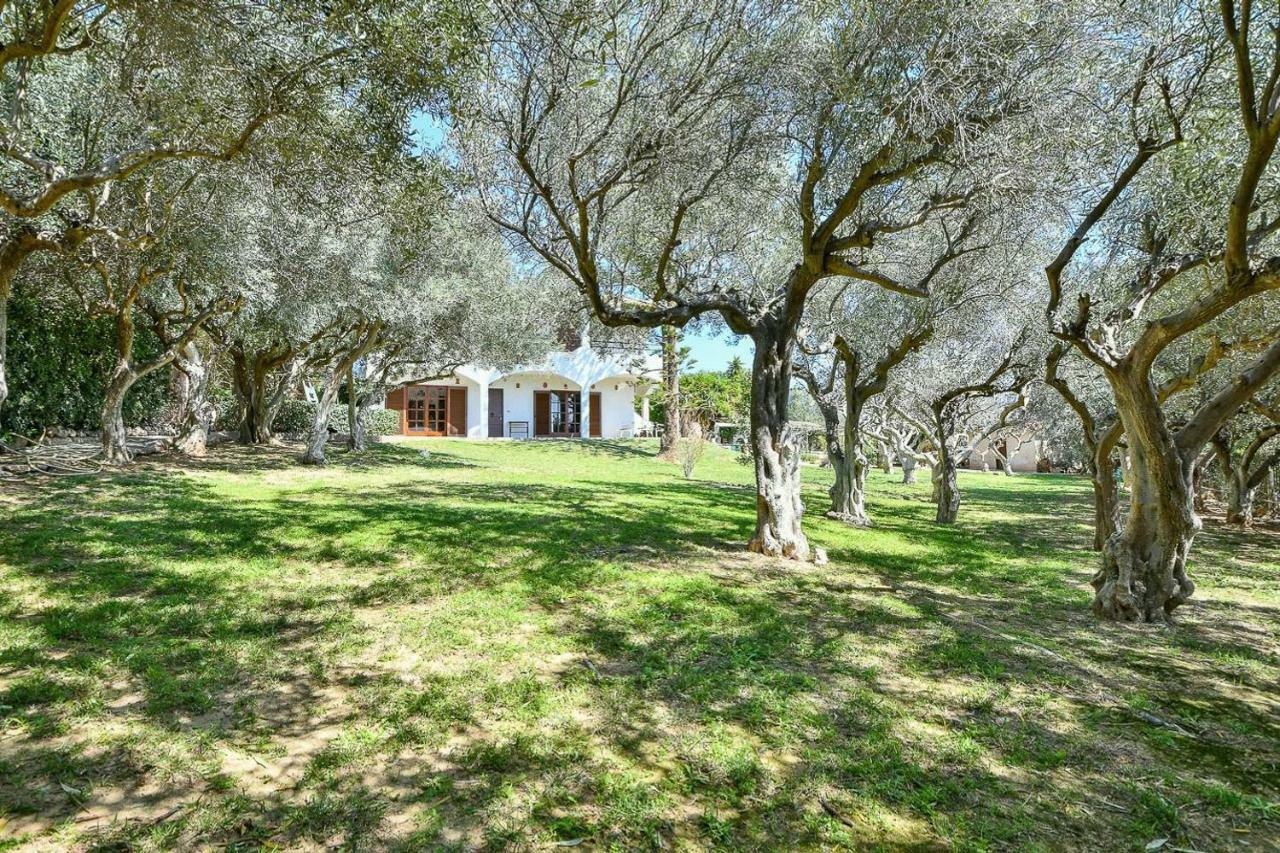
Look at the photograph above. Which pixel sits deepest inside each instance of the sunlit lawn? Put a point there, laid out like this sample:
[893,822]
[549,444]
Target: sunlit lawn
[512,645]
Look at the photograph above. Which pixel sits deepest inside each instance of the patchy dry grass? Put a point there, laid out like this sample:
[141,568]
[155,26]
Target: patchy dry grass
[514,645]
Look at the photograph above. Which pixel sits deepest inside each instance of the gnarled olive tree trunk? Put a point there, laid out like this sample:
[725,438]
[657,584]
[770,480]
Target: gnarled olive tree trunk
[115,440]
[358,414]
[1200,491]
[263,379]
[671,389]
[848,493]
[1243,472]
[365,337]
[318,436]
[252,395]
[1240,498]
[908,462]
[358,427]
[835,449]
[124,375]
[197,414]
[779,509]
[1105,502]
[946,491]
[1143,577]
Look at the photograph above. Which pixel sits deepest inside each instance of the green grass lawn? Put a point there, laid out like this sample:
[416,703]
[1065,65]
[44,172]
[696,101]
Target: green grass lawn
[505,646]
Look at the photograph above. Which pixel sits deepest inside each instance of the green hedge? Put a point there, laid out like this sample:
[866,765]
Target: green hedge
[58,363]
[384,422]
[296,416]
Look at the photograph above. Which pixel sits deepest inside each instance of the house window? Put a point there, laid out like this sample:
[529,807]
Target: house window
[427,410]
[437,398]
[564,412]
[416,409]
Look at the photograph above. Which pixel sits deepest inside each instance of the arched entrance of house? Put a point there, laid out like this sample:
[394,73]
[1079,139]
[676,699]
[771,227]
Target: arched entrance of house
[538,404]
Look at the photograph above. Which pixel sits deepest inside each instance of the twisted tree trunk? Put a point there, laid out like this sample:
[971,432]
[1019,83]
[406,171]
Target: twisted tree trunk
[318,436]
[848,493]
[835,450]
[671,388]
[1240,497]
[197,414]
[946,490]
[1143,576]
[1105,502]
[115,444]
[253,371]
[779,509]
[358,418]
[1198,489]
[1242,476]
[115,441]
[366,336]
[251,390]
[908,461]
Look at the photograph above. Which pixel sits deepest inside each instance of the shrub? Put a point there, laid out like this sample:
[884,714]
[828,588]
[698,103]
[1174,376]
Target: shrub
[689,448]
[294,418]
[382,422]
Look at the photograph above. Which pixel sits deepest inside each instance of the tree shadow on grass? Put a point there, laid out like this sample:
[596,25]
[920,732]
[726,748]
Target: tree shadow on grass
[735,682]
[1029,581]
[131,584]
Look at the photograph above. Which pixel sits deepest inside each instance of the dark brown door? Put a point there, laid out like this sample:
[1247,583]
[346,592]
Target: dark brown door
[496,415]
[541,413]
[457,413]
[596,430]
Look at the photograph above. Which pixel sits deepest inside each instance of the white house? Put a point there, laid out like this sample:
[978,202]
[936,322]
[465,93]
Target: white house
[545,399]
[1025,453]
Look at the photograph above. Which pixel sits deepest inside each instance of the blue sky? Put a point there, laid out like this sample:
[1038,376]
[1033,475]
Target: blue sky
[428,131]
[712,350]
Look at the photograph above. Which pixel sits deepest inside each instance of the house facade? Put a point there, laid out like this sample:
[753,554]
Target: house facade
[578,394]
[1026,453]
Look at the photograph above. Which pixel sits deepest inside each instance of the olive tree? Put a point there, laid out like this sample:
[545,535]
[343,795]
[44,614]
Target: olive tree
[1241,448]
[688,157]
[970,390]
[99,93]
[1183,211]
[164,273]
[857,336]
[843,381]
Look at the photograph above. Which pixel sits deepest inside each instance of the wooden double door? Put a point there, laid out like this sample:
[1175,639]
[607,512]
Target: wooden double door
[558,414]
[431,410]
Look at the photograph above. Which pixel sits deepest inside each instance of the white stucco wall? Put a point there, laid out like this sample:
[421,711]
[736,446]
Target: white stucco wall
[617,406]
